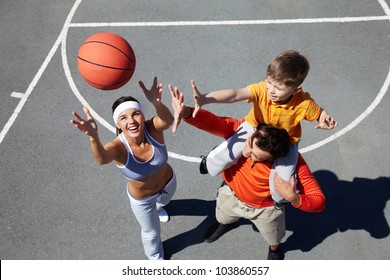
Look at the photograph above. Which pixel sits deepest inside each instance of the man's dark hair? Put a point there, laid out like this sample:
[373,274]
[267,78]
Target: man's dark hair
[275,141]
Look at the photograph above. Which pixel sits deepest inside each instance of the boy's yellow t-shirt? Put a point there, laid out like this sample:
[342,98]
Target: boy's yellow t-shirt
[287,115]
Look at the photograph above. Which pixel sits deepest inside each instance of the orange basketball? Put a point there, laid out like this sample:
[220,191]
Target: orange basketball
[106,61]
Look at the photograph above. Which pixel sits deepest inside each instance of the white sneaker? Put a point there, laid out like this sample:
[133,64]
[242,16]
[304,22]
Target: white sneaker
[163,215]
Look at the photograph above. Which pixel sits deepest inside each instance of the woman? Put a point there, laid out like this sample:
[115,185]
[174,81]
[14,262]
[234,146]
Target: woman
[140,153]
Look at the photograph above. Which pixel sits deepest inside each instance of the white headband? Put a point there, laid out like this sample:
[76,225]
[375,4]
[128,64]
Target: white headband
[124,106]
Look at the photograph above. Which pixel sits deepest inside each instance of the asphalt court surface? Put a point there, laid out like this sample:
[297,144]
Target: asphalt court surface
[56,203]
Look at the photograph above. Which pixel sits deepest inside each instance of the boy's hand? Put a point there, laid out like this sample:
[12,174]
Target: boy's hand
[325,121]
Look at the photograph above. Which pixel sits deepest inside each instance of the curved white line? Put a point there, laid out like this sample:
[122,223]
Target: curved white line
[362,116]
[385,7]
[76,92]
[355,122]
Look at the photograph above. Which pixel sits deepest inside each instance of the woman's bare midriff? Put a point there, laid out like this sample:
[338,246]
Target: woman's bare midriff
[150,186]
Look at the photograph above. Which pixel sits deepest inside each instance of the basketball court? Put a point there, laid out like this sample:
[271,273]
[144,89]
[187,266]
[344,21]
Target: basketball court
[56,203]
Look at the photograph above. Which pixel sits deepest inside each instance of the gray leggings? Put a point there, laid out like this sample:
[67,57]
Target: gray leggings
[146,212]
[228,152]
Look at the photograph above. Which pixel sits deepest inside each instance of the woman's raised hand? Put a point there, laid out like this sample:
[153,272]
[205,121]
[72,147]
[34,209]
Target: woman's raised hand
[87,126]
[154,93]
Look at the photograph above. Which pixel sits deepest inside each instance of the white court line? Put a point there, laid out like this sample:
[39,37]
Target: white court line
[231,22]
[17,94]
[38,75]
[385,7]
[356,121]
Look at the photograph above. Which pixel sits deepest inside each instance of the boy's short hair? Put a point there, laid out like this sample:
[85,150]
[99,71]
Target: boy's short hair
[289,67]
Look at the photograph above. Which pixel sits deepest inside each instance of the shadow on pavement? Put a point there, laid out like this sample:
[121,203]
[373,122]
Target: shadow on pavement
[356,205]
[189,207]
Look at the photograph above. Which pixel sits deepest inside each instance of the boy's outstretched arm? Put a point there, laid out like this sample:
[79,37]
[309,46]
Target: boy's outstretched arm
[325,121]
[219,96]
[207,121]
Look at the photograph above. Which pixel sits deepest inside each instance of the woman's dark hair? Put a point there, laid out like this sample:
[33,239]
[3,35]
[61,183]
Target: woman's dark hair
[273,140]
[117,103]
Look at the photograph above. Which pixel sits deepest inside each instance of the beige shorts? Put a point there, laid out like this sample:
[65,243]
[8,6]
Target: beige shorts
[269,221]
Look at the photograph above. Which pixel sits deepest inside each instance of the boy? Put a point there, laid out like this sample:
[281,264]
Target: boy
[278,101]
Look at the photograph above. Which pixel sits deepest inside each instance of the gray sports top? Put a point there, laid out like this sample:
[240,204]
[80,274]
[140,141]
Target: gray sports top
[138,170]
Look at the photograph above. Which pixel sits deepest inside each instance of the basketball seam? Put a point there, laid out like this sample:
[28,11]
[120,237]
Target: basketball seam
[113,47]
[106,66]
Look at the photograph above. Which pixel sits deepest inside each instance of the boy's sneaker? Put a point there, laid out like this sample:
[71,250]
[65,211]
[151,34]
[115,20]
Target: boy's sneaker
[163,215]
[279,205]
[203,166]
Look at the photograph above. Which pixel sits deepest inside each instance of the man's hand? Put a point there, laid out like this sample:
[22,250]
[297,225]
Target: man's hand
[178,106]
[198,98]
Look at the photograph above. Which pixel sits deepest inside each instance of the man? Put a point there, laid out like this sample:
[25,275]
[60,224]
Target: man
[245,191]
